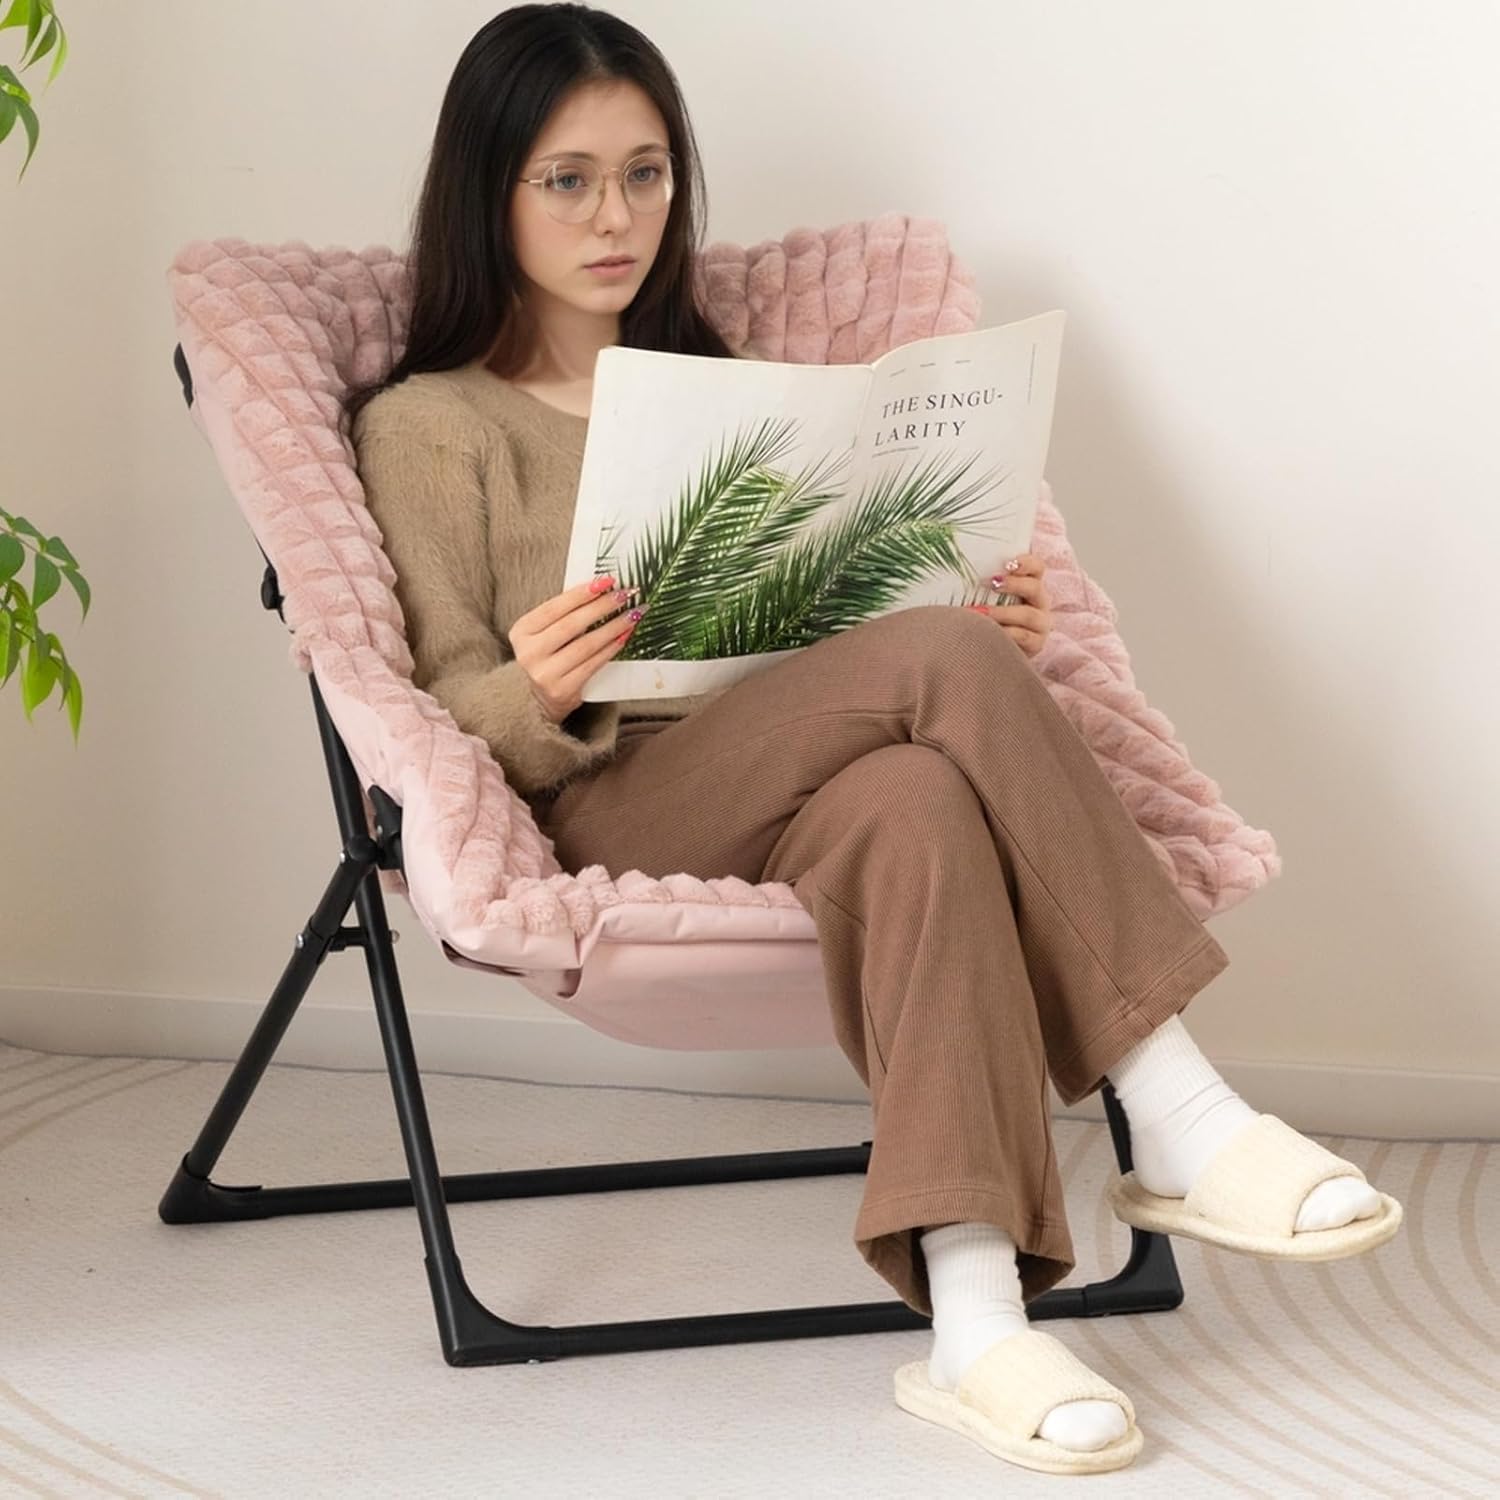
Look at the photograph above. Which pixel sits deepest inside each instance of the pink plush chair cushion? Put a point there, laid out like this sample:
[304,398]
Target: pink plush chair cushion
[274,335]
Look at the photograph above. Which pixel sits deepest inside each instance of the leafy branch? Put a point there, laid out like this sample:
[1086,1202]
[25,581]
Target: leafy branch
[46,663]
[43,32]
[23,642]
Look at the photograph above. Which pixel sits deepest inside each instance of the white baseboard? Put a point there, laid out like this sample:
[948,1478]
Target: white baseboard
[1387,1103]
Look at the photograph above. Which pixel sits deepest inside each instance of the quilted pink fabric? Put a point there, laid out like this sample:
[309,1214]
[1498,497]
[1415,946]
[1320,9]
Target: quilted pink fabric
[274,334]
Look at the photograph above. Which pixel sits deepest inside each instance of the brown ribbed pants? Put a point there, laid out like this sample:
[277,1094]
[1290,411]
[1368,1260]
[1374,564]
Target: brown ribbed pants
[987,909]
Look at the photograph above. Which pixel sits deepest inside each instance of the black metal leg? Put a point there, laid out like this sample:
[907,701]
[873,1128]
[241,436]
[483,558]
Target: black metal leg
[312,944]
[470,1334]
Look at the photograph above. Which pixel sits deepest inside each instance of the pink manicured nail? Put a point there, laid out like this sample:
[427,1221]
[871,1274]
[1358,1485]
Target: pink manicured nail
[599,585]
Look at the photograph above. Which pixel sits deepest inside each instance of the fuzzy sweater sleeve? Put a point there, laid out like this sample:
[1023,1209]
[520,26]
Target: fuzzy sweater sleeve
[418,463]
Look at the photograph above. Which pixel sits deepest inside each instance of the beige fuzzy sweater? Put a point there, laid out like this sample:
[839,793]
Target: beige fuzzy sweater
[472,482]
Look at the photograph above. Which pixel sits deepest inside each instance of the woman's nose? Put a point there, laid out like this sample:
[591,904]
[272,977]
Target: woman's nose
[612,201]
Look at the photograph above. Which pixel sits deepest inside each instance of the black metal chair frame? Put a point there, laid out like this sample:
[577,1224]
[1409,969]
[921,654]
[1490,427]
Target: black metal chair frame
[471,1334]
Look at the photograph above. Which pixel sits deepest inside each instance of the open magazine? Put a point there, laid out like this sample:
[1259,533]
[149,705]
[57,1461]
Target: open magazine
[761,506]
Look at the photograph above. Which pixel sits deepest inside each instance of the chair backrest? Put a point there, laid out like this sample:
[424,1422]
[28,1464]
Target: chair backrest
[274,335]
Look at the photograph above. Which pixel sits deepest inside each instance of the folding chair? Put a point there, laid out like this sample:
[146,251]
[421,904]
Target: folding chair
[272,336]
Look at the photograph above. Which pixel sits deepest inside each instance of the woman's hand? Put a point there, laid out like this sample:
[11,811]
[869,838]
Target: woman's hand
[1028,622]
[561,643]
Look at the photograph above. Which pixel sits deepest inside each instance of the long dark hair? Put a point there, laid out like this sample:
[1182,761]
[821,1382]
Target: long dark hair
[461,265]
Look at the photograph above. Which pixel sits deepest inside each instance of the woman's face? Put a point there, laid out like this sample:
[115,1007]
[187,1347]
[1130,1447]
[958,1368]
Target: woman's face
[611,122]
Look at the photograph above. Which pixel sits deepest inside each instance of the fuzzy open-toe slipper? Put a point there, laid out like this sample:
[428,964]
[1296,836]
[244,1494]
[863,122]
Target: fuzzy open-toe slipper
[1006,1394]
[1247,1199]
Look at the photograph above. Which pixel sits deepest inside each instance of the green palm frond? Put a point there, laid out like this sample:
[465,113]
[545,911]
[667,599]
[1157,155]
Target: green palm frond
[720,490]
[738,510]
[790,503]
[722,562]
[900,532]
[726,572]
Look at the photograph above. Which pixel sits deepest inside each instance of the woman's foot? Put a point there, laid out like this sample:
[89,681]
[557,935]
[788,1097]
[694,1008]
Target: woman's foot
[976,1301]
[1182,1114]
[1081,1425]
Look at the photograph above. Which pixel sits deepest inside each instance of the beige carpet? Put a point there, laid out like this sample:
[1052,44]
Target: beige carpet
[299,1356]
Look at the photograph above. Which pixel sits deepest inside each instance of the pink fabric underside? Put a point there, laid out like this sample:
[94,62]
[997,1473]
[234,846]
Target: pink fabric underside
[274,334]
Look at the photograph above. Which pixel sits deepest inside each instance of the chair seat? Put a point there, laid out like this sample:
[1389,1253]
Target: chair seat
[691,978]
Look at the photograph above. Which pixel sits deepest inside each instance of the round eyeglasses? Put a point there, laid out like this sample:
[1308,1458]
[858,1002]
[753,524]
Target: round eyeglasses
[572,189]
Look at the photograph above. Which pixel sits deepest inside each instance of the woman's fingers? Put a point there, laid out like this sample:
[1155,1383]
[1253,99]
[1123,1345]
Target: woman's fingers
[1023,586]
[1026,624]
[1028,565]
[1027,616]
[1021,617]
[1026,582]
[1030,641]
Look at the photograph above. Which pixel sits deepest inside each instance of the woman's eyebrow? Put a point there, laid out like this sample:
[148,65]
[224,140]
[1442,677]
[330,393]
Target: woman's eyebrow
[589,156]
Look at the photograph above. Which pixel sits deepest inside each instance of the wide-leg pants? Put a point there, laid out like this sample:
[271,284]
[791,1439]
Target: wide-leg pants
[987,910]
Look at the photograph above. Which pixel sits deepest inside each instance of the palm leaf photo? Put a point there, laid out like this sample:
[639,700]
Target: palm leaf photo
[733,567]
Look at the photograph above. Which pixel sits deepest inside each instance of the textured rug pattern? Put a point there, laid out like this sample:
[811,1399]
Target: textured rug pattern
[299,1356]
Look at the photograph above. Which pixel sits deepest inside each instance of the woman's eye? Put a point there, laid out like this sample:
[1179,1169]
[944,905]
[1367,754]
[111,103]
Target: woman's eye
[560,178]
[647,167]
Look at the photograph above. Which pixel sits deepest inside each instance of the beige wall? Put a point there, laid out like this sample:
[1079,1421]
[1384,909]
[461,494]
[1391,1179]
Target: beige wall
[1275,232]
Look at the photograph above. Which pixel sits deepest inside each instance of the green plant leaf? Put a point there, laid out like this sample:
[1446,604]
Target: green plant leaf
[46,581]
[54,546]
[62,54]
[44,43]
[20,523]
[65,673]
[73,698]
[80,587]
[12,650]
[22,614]
[43,29]
[29,125]
[12,555]
[36,679]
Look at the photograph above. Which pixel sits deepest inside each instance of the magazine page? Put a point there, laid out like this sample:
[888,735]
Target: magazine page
[943,408]
[760,506]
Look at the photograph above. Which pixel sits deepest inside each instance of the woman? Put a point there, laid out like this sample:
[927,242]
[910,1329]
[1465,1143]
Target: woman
[988,912]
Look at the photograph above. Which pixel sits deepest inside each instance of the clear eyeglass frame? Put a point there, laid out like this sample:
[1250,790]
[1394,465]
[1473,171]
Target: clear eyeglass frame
[588,204]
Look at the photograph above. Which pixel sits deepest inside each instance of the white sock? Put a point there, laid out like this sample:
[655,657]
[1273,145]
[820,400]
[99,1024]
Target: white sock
[976,1303]
[1182,1113]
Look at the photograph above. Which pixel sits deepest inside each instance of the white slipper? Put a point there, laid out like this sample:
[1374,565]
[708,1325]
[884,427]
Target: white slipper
[1248,1196]
[1005,1395]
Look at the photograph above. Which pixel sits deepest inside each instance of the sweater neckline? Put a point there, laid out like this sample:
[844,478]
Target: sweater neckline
[489,380]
